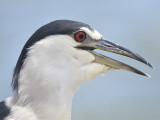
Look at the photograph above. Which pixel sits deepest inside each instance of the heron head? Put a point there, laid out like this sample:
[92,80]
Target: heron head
[68,47]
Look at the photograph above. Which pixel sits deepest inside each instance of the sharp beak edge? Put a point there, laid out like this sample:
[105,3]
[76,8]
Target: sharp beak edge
[112,47]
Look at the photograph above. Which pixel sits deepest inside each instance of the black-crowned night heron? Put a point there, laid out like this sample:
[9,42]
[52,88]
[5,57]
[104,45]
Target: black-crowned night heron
[54,62]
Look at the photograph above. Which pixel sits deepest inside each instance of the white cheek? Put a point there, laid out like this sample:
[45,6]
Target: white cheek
[60,48]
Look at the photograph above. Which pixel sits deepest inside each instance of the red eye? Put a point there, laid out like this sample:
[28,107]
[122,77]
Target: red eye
[80,36]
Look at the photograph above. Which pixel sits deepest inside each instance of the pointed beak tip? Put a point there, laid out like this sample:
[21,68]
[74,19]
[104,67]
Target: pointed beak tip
[147,75]
[150,65]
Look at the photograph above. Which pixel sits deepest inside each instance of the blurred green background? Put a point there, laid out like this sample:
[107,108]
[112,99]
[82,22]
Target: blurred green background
[117,95]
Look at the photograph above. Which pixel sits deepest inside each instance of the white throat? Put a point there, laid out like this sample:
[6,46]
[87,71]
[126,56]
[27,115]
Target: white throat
[51,74]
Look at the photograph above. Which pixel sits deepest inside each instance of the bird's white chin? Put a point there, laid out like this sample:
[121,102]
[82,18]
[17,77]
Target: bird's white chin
[90,71]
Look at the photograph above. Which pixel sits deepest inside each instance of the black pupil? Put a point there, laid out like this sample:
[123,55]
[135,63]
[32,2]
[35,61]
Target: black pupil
[81,36]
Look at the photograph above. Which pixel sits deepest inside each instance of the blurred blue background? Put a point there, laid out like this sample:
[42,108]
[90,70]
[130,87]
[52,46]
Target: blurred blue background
[117,95]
